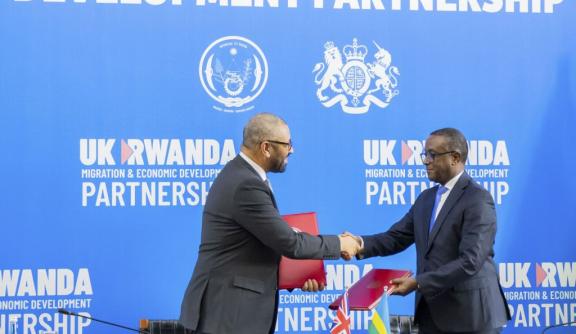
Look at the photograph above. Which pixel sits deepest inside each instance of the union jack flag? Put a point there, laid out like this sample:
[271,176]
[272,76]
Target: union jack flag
[342,319]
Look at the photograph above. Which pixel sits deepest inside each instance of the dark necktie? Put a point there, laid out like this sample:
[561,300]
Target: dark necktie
[268,184]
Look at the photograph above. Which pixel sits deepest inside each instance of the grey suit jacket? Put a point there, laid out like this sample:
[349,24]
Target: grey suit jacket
[234,287]
[455,267]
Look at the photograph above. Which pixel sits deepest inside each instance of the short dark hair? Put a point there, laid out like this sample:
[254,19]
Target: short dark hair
[455,141]
[261,127]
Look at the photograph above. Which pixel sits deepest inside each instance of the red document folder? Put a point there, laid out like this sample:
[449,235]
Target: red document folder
[367,292]
[293,273]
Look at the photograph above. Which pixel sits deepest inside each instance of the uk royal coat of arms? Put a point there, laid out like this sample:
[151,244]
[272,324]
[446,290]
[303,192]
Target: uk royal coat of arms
[356,84]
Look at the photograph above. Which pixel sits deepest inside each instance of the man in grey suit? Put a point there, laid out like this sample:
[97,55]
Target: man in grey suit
[234,288]
[453,226]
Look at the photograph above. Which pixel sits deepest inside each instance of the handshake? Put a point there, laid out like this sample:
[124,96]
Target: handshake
[350,245]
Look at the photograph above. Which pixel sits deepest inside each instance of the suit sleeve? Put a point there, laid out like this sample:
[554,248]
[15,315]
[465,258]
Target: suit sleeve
[255,211]
[477,239]
[399,237]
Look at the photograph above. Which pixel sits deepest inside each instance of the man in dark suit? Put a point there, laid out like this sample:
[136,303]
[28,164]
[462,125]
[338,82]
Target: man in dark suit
[234,288]
[453,226]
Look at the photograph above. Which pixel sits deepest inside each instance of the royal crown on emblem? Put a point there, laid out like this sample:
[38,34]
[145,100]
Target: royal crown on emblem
[329,45]
[355,51]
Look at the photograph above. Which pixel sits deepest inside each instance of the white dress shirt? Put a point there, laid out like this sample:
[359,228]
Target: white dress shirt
[449,185]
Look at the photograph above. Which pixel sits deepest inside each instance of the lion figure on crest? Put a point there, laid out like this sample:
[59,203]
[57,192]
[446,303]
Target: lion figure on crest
[332,74]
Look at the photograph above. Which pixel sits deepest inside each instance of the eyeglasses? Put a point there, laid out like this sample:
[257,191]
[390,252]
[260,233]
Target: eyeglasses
[431,155]
[287,144]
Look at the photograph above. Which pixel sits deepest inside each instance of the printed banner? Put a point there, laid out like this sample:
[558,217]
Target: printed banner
[117,115]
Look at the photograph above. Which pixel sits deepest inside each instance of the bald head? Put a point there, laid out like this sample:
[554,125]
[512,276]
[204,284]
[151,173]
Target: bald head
[264,126]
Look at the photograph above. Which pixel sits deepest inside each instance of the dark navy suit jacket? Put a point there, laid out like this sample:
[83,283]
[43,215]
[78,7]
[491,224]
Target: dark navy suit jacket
[455,267]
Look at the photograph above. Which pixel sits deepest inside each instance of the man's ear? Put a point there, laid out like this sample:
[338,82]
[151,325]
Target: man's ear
[456,157]
[265,149]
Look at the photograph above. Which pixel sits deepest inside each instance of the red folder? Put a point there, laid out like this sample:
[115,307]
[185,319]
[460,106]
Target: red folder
[293,273]
[367,292]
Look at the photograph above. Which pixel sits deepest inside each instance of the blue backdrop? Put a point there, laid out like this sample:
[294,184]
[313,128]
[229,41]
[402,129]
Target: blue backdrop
[116,115]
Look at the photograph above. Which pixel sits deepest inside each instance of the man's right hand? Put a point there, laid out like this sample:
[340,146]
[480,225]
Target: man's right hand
[349,246]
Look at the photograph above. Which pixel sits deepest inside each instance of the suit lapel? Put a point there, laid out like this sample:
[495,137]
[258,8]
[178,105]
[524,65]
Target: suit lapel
[428,205]
[452,199]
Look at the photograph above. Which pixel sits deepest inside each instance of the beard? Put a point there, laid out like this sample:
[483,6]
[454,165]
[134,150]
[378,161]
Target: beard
[278,164]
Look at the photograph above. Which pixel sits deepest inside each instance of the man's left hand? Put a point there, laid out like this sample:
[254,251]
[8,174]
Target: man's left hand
[312,285]
[404,285]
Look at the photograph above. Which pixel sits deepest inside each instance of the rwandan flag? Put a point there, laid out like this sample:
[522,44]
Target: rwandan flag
[380,319]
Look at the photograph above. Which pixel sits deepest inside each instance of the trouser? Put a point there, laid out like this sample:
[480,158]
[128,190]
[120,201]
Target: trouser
[427,326]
